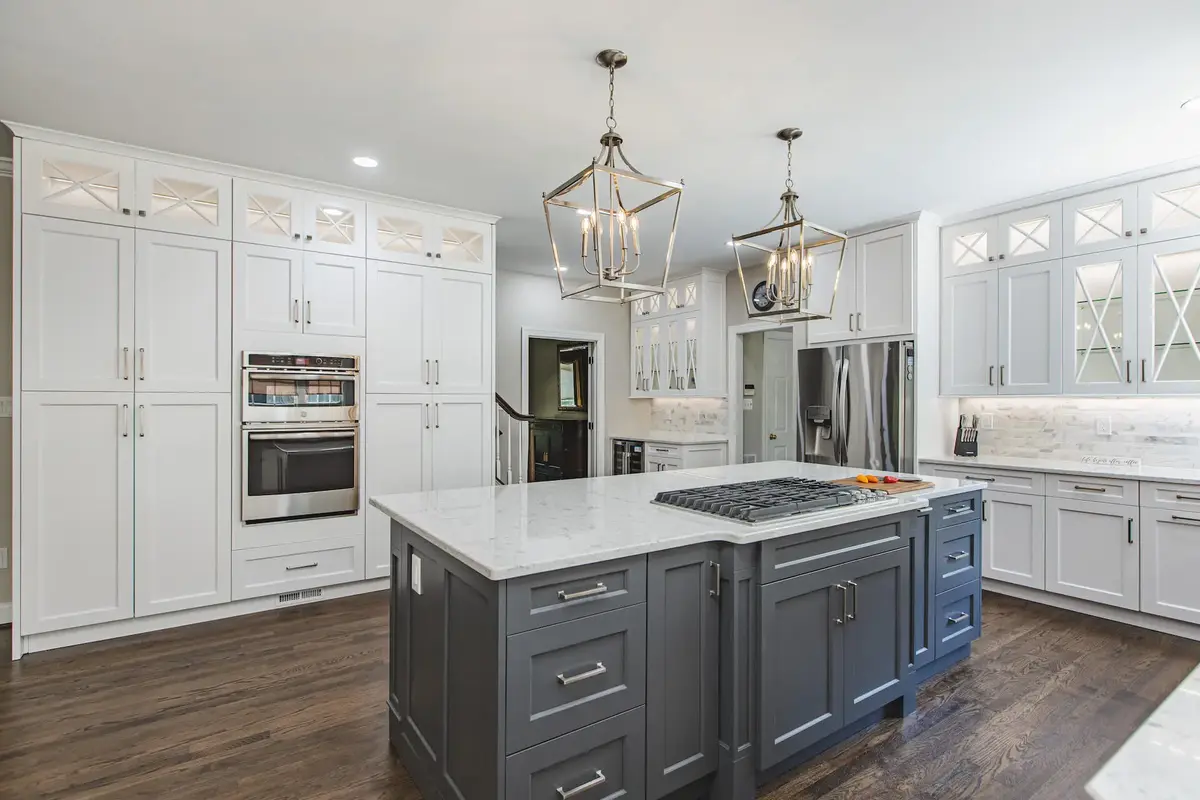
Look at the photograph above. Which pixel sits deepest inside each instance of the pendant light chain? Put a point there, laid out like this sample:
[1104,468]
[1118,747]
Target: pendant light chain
[788,183]
[612,119]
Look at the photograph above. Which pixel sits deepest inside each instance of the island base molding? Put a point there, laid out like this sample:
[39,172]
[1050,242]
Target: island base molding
[1138,619]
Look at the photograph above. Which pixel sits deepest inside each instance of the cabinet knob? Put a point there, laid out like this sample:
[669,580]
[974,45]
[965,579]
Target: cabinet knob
[1128,234]
[429,254]
[991,258]
[1144,230]
[308,237]
[439,255]
[126,211]
[141,212]
[1001,256]
[296,236]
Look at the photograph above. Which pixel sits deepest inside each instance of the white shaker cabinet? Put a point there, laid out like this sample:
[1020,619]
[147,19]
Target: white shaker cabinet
[335,295]
[1014,538]
[463,431]
[74,183]
[179,200]
[1169,207]
[884,290]
[267,213]
[1170,552]
[183,315]
[1092,551]
[268,288]
[842,320]
[77,306]
[397,438]
[184,501]
[1168,316]
[970,311]
[1100,323]
[1031,334]
[1030,234]
[76,509]
[1104,220]
[460,309]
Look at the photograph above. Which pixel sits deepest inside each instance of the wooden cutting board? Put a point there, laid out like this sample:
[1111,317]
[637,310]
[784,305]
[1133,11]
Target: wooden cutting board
[890,488]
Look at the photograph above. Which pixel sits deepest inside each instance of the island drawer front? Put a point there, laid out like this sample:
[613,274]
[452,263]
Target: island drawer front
[999,480]
[959,555]
[607,759]
[1176,496]
[956,509]
[789,556]
[1091,487]
[957,617]
[566,676]
[664,450]
[285,568]
[549,598]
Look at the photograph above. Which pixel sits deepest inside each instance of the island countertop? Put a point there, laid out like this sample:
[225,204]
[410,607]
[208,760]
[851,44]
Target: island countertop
[508,531]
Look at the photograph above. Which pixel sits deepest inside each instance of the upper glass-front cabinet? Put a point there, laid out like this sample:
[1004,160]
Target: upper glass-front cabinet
[415,237]
[969,247]
[69,182]
[178,200]
[1029,235]
[1101,323]
[1100,221]
[1169,317]
[266,213]
[334,225]
[464,245]
[1169,207]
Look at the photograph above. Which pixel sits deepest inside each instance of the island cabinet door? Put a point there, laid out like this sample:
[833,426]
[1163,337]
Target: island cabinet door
[800,663]
[922,575]
[683,614]
[875,635]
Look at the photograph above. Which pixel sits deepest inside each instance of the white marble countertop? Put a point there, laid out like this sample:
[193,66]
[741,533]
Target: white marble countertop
[675,437]
[1140,473]
[1162,759]
[508,531]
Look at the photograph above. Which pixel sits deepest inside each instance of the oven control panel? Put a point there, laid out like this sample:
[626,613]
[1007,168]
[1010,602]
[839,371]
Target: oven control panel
[291,360]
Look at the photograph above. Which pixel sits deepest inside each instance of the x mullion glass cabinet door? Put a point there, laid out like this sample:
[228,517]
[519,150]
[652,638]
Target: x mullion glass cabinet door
[1100,315]
[1169,317]
[1100,221]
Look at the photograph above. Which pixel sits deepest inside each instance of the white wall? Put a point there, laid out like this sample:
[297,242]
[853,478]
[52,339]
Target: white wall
[532,301]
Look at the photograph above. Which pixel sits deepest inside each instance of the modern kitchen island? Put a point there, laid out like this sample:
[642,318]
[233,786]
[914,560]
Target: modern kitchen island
[574,639]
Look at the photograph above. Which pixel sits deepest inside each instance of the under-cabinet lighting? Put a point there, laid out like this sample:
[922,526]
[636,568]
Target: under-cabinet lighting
[365,161]
[332,212]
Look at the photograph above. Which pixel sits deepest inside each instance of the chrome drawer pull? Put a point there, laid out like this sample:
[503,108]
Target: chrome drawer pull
[1189,520]
[600,588]
[973,478]
[959,509]
[959,556]
[1191,497]
[600,669]
[1100,489]
[583,787]
[301,566]
[955,619]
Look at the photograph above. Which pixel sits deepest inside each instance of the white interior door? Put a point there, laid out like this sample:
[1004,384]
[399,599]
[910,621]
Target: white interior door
[184,319]
[77,300]
[1030,235]
[1092,551]
[462,441]
[834,293]
[970,247]
[397,435]
[184,501]
[1100,221]
[266,213]
[400,328]
[335,295]
[1031,330]
[1169,317]
[1169,552]
[1014,539]
[178,200]
[779,408]
[1169,207]
[1100,323]
[970,322]
[76,509]
[335,225]
[73,183]
[268,289]
[461,311]
[884,267]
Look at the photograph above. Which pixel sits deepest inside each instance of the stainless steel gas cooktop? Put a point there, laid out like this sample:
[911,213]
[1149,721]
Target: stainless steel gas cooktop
[768,500]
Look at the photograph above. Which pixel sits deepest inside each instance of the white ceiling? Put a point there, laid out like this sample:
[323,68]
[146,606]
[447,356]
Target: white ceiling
[945,105]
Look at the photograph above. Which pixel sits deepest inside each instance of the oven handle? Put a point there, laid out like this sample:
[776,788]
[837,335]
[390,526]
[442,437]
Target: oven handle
[304,376]
[305,435]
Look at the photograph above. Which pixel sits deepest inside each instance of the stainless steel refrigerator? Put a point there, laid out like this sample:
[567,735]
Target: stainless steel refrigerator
[855,406]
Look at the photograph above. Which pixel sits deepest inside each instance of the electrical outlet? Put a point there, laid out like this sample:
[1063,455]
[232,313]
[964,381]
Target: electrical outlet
[987,421]
[1104,426]
[414,574]
[5,407]
[3,558]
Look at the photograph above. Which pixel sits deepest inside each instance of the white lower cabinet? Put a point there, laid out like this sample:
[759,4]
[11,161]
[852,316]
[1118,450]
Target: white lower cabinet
[76,509]
[184,501]
[1170,553]
[1014,538]
[284,568]
[1092,551]
[461,444]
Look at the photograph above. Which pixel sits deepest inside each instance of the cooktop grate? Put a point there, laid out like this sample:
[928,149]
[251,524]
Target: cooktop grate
[767,500]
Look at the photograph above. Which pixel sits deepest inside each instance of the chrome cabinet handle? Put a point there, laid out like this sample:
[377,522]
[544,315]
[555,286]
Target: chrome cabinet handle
[1187,520]
[1001,374]
[426,373]
[853,601]
[308,312]
[599,669]
[955,619]
[1099,489]
[1186,497]
[125,420]
[427,416]
[842,619]
[437,415]
[1131,530]
[991,375]
[141,363]
[437,372]
[985,519]
[851,322]
[973,478]
[125,362]
[301,566]
[959,556]
[296,310]
[859,320]
[141,415]
[716,592]
[1128,370]
[564,794]
[959,509]
[1143,370]
[566,596]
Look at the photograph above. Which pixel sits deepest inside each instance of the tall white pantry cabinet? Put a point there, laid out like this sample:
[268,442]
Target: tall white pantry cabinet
[134,272]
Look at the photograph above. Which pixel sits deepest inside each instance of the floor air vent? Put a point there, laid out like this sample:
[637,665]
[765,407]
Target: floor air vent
[299,597]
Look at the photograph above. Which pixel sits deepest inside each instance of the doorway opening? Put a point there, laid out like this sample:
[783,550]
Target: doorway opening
[562,393]
[763,394]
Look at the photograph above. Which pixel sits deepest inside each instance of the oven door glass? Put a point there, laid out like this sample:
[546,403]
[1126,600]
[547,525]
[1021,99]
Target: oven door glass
[280,397]
[292,474]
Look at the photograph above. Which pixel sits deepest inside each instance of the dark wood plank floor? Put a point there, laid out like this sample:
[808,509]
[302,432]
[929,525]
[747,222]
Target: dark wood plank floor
[290,705]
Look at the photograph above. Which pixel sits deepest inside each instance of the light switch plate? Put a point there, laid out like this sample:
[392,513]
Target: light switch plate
[987,422]
[415,574]
[3,558]
[5,407]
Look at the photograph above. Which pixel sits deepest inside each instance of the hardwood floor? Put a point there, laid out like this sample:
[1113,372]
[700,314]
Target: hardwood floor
[290,705]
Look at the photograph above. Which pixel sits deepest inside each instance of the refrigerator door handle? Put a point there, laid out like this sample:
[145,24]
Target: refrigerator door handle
[844,400]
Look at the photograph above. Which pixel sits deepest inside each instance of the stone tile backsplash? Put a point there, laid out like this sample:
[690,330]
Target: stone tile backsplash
[690,414]
[1160,431]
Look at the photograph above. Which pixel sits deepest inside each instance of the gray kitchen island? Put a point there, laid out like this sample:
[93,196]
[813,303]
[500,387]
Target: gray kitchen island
[576,640]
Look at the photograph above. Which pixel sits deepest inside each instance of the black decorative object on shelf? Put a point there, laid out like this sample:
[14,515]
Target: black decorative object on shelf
[762,301]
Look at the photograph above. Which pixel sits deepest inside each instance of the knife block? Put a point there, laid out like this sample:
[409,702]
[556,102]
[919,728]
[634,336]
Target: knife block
[964,446]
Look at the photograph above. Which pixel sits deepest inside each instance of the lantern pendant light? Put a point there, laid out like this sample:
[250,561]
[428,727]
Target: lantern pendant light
[784,247]
[615,218]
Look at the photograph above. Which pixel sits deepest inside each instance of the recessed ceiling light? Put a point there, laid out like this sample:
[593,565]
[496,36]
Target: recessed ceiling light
[333,212]
[1191,105]
[365,161]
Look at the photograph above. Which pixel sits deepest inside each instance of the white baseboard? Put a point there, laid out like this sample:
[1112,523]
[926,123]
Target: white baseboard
[39,642]
[5,613]
[1135,618]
